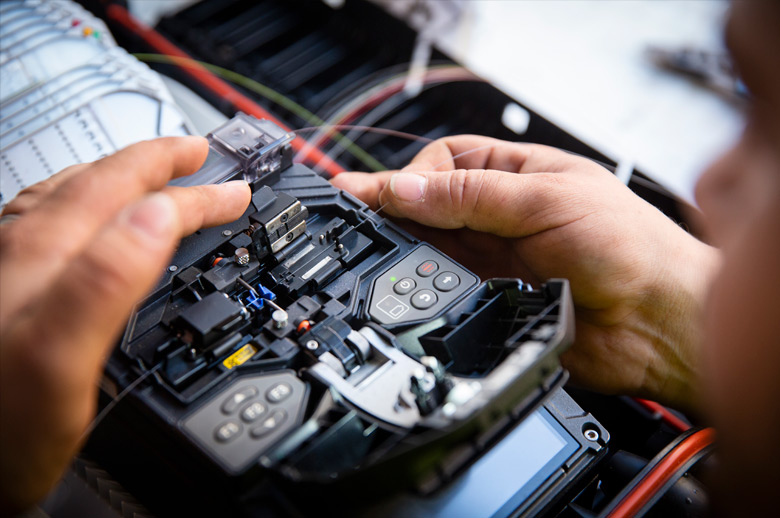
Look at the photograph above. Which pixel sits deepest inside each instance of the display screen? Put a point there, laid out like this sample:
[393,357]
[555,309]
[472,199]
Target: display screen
[506,476]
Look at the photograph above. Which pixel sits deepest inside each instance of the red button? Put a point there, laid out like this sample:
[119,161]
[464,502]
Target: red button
[427,269]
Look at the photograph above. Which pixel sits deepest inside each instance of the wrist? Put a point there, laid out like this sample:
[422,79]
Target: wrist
[673,311]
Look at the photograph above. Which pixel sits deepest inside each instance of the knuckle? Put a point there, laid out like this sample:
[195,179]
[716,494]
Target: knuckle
[30,196]
[20,204]
[203,195]
[464,189]
[83,183]
[38,189]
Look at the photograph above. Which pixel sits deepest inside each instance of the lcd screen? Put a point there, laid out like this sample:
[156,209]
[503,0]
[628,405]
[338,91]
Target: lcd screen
[505,477]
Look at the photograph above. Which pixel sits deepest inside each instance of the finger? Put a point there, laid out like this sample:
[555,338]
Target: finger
[97,291]
[87,305]
[31,196]
[58,343]
[37,247]
[83,202]
[102,190]
[208,205]
[472,152]
[365,186]
[477,152]
[501,203]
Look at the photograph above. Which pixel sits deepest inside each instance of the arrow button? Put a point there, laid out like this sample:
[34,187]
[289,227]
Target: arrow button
[424,299]
[446,281]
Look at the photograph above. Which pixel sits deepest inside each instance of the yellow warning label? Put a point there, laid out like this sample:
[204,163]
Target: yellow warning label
[240,356]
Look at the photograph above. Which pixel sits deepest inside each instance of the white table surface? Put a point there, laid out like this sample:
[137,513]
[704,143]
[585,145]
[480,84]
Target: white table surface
[580,64]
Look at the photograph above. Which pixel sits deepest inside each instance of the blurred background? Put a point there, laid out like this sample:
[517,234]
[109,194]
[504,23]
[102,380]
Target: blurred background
[588,67]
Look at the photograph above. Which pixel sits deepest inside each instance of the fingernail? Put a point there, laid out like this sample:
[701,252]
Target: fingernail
[408,186]
[152,215]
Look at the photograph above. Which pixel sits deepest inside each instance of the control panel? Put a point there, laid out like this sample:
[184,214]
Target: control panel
[420,286]
[245,418]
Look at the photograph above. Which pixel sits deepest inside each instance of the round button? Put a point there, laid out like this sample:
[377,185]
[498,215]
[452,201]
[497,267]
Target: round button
[278,393]
[446,281]
[404,286]
[227,431]
[270,424]
[427,268]
[253,412]
[424,299]
[232,403]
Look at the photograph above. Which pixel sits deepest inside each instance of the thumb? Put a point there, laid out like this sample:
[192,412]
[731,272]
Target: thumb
[88,305]
[486,200]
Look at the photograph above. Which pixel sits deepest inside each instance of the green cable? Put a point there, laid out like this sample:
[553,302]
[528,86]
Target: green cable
[273,96]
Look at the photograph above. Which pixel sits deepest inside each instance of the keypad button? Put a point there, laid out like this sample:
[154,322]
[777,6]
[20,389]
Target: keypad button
[404,286]
[253,412]
[269,424]
[446,281]
[227,431]
[427,268]
[232,403]
[278,393]
[424,299]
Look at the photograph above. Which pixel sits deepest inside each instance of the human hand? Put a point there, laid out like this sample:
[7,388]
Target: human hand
[534,212]
[81,249]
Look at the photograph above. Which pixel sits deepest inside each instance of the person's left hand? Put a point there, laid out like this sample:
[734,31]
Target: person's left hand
[77,251]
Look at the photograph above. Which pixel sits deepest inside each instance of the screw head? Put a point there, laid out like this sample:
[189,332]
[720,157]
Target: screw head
[227,232]
[172,268]
[312,345]
[591,434]
[289,237]
[279,318]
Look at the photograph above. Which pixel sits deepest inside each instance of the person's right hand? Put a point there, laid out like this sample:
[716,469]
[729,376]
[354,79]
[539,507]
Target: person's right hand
[77,252]
[637,279]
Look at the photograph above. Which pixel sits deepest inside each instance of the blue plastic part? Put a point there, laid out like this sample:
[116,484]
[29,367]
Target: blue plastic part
[256,301]
[265,293]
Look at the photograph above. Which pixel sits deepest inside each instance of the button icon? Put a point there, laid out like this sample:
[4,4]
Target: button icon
[424,299]
[271,423]
[392,307]
[232,403]
[228,431]
[446,281]
[427,268]
[253,412]
[404,286]
[278,393]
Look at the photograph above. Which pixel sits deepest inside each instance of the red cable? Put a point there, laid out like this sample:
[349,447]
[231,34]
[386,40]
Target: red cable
[661,473]
[219,87]
[668,417]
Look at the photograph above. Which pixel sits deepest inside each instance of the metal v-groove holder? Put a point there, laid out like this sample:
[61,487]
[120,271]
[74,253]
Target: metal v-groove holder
[216,85]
